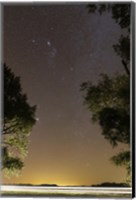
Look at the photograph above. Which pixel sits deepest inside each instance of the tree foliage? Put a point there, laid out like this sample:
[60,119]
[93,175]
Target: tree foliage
[18,120]
[121,14]
[109,104]
[109,100]
[123,159]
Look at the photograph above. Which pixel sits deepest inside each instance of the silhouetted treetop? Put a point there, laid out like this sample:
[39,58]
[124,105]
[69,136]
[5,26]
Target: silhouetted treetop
[120,11]
[18,120]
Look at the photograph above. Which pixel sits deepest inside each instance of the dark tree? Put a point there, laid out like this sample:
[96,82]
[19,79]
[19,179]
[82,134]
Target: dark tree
[109,100]
[109,104]
[18,120]
[121,14]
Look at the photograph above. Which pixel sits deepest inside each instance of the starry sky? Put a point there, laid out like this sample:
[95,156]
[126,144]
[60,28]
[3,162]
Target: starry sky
[54,48]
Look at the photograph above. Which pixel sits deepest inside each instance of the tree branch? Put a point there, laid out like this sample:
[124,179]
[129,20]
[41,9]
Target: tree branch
[125,66]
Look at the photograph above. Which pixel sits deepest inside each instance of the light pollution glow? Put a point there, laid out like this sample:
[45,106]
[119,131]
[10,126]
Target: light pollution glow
[66,148]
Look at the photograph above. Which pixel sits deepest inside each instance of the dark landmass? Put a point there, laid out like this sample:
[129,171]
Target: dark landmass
[108,184]
[105,184]
[29,184]
[50,185]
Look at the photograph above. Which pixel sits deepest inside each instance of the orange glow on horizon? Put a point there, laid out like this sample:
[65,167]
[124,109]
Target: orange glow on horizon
[60,48]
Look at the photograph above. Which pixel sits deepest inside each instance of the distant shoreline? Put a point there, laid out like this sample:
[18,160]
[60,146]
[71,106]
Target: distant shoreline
[105,184]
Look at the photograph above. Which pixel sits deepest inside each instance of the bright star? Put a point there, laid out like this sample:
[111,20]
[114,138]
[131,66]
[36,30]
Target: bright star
[49,43]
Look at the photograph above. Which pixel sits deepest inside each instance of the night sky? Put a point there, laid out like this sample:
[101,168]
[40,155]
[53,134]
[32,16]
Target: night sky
[54,48]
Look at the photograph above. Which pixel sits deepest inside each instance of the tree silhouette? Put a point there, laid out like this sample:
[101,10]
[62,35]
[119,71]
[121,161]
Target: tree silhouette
[18,119]
[121,14]
[108,102]
[109,99]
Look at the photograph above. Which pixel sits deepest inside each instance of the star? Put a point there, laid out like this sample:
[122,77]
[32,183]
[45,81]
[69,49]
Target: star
[33,41]
[49,43]
[71,68]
